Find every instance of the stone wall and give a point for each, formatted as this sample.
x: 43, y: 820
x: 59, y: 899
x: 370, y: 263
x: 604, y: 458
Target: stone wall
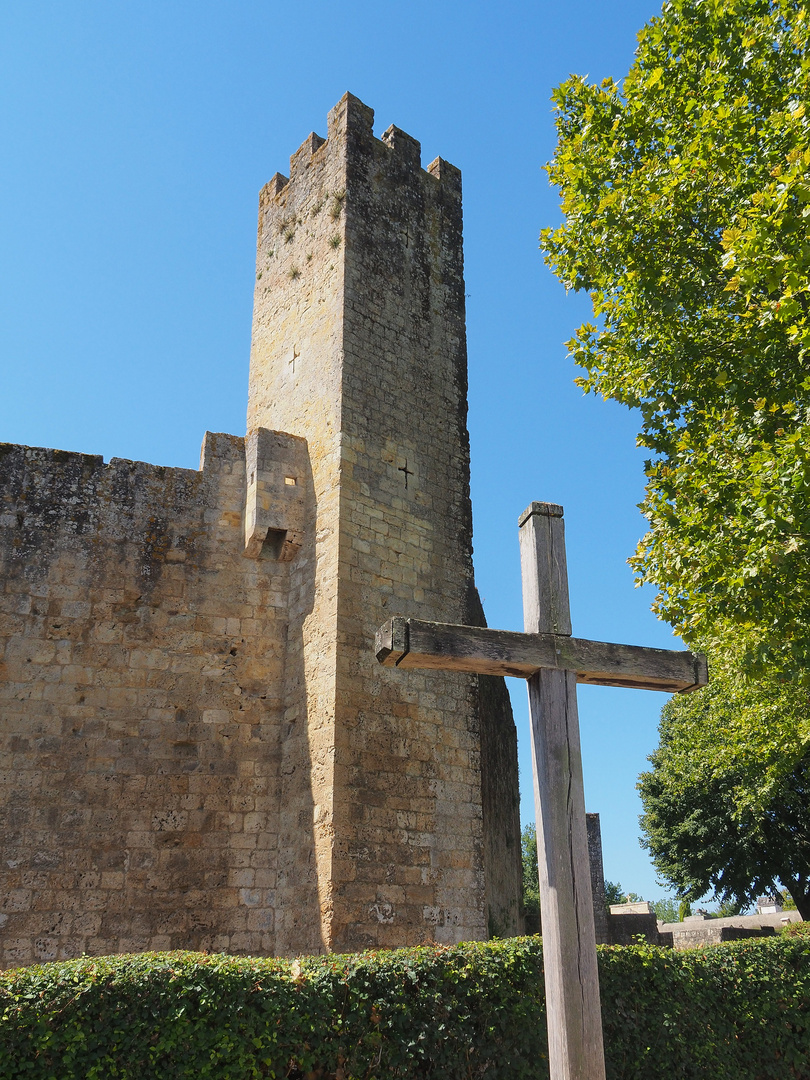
x: 140, y: 710
x: 698, y: 930
x: 600, y: 912
x: 628, y: 923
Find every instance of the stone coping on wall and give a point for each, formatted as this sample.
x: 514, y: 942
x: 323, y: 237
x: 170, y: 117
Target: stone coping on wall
x: 743, y: 922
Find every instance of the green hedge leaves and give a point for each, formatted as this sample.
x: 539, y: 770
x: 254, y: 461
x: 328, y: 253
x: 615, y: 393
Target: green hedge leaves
x: 730, y: 1012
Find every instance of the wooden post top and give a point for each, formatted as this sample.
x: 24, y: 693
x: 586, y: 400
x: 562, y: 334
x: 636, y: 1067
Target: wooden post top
x: 543, y: 508
x: 544, y: 571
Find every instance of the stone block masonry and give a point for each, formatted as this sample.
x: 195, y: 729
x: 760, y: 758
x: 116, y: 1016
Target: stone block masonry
x: 140, y: 707
x: 198, y: 747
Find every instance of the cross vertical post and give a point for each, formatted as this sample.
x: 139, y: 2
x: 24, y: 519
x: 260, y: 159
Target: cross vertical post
x: 569, y: 940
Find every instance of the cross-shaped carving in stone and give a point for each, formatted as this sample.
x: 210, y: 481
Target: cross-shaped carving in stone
x: 405, y: 471
x: 553, y: 662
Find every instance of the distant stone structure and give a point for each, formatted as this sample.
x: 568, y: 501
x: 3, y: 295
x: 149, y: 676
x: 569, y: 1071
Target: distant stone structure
x: 600, y: 912
x: 698, y: 930
x: 631, y: 921
x: 199, y: 749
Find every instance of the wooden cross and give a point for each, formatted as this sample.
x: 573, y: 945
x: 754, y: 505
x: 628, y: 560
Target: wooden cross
x: 553, y: 662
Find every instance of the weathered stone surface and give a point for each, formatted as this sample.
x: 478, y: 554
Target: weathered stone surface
x: 600, y: 912
x: 696, y: 931
x: 140, y: 706
x: 198, y: 747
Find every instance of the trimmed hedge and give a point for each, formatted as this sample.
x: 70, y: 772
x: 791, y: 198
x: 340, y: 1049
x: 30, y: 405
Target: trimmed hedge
x: 739, y: 1011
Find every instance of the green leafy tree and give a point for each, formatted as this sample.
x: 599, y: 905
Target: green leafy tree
x: 615, y: 894
x: 666, y: 909
x: 727, y: 800
x: 729, y: 908
x: 531, y: 883
x: 686, y: 201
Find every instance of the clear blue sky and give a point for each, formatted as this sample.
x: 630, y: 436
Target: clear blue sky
x: 136, y: 135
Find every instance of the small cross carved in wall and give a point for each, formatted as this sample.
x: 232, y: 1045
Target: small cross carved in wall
x: 405, y: 471
x: 293, y: 357
x: 408, y: 237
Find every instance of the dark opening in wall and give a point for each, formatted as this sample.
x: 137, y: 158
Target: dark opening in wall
x: 273, y: 545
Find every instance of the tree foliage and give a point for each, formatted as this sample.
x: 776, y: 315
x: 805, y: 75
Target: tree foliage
x: 531, y: 879
x: 686, y: 200
x: 727, y: 801
x: 666, y: 909
x: 615, y: 894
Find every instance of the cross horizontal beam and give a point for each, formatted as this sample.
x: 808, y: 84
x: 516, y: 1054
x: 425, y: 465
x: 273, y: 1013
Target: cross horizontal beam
x: 410, y: 643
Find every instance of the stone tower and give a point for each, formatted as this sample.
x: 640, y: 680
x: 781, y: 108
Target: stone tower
x: 359, y: 346
x: 200, y: 749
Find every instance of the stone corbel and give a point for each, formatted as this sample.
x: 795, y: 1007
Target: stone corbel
x: 275, y: 464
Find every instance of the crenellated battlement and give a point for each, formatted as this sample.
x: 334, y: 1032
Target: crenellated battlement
x: 301, y: 159
x: 404, y: 146
x: 349, y: 200
x: 350, y: 133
